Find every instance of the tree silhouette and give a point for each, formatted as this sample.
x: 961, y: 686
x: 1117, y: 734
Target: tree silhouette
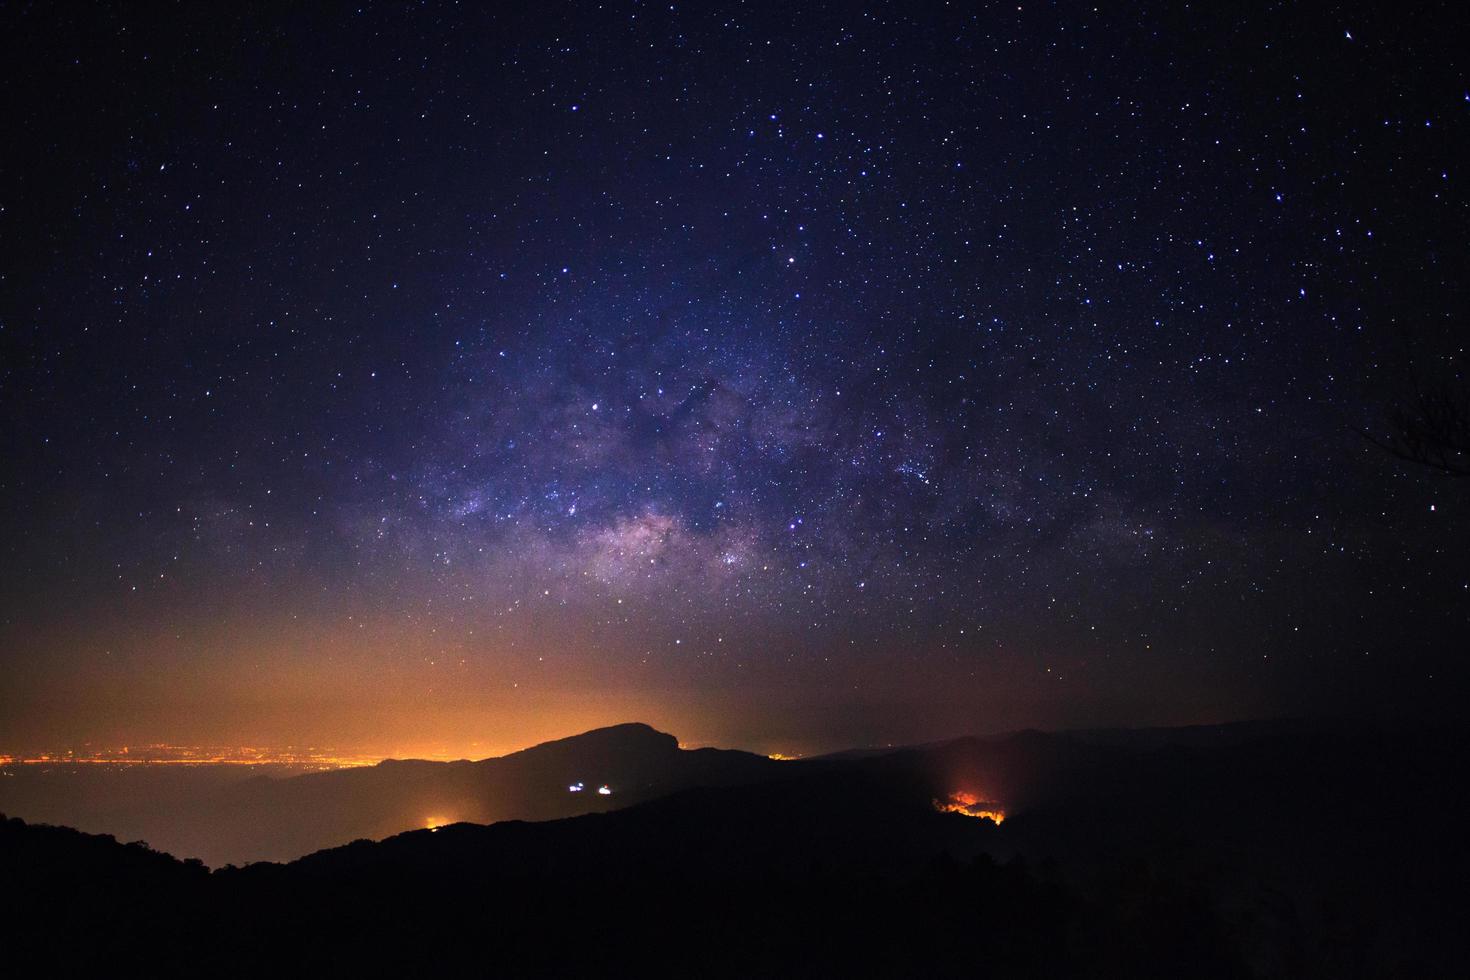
x: 1432, y: 426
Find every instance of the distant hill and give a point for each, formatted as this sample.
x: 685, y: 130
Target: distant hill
x: 264, y: 818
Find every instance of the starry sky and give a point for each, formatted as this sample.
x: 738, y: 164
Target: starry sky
x: 435, y: 378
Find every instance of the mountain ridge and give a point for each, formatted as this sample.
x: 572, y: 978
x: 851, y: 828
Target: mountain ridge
x: 1247, y: 858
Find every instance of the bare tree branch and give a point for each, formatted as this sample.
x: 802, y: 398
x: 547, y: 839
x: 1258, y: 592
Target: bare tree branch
x: 1433, y: 427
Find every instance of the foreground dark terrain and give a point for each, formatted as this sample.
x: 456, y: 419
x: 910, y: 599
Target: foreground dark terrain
x: 1240, y: 851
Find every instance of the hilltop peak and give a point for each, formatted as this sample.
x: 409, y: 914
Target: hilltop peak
x: 633, y: 736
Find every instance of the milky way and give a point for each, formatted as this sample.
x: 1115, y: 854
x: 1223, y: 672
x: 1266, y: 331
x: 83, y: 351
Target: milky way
x: 1007, y: 358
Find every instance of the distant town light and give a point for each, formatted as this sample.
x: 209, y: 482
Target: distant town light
x: 604, y: 791
x: 574, y: 788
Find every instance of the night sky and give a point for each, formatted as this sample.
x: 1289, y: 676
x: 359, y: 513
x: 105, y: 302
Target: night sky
x: 434, y: 379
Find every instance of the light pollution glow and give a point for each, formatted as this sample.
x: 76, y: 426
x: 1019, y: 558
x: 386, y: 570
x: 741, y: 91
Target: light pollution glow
x: 363, y: 704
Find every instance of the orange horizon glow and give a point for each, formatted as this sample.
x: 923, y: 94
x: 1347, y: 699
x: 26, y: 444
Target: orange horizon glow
x: 383, y: 691
x: 313, y: 758
x: 189, y: 755
x: 475, y: 743
x: 354, y: 724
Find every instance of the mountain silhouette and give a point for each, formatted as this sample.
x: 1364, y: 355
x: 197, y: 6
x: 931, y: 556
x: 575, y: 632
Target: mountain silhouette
x: 1282, y: 850
x: 272, y: 818
x: 284, y: 818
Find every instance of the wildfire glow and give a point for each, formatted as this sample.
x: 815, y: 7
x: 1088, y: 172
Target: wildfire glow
x: 434, y: 823
x: 971, y: 805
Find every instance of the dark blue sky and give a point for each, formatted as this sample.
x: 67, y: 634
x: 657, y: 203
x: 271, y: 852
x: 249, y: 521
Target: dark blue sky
x: 419, y: 376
